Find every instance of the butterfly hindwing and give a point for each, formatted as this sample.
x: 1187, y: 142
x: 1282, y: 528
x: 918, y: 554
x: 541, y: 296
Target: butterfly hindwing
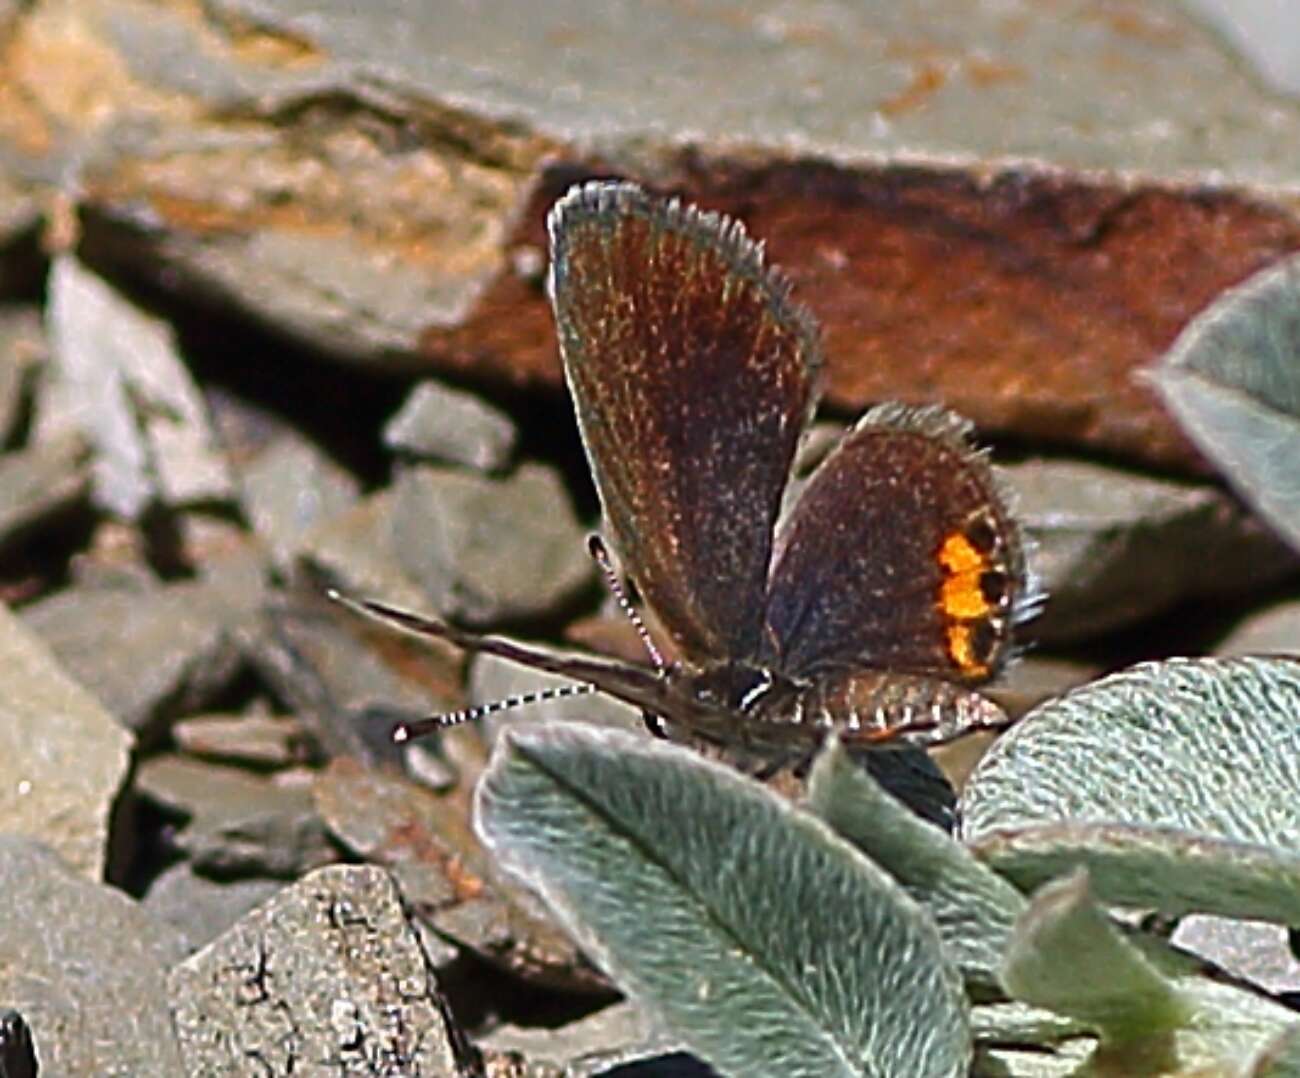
x: 899, y: 554
x: 692, y: 375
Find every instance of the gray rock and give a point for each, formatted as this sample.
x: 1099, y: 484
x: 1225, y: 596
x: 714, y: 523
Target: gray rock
x: 199, y: 908
x: 427, y: 842
x: 1263, y: 32
x: 117, y: 378
x: 394, y: 822
x: 315, y: 657
x: 1272, y: 631
x: 328, y: 977
x: 250, y: 740
x: 638, y: 84
x: 63, y: 758
x: 488, y: 551
x: 416, y: 228
x: 290, y: 488
x: 237, y: 823
x: 354, y: 550
x: 1259, y: 952
x: 116, y: 559
x: 216, y: 548
x: 87, y: 968
x: 149, y: 654
x: 40, y: 483
x: 1113, y: 547
x: 609, y: 1038
x: 346, y: 686
x: 1031, y: 679
x: 449, y: 425
x: 23, y: 351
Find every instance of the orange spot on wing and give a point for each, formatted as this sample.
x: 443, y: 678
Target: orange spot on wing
x: 961, y: 596
x: 962, y: 601
x: 958, y: 555
x: 959, y: 647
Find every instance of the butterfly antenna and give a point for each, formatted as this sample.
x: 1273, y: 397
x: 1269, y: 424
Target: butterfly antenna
x: 407, y: 731
x: 503, y: 648
x: 600, y: 555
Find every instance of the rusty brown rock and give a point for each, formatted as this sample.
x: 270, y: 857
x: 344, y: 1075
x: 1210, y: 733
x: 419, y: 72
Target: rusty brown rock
x: 426, y: 841
x: 1029, y: 301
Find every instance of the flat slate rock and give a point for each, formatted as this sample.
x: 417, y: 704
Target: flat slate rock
x: 253, y: 741
x: 23, y: 350
x: 87, y: 967
x: 452, y: 426
x: 1259, y: 952
x: 238, y: 823
x: 348, y: 679
x: 200, y: 908
x: 613, y: 1036
x: 1112, y: 547
x: 1274, y: 630
x: 41, y: 482
x: 328, y: 977
x: 63, y: 757
x: 488, y: 551
x: 1004, y: 208
x: 148, y: 654
x: 446, y: 877
x: 353, y: 549
x: 118, y: 378
x: 288, y: 489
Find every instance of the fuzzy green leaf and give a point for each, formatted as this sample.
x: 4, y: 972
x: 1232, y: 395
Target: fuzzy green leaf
x: 760, y: 939
x: 972, y: 905
x: 1174, y: 872
x: 1232, y: 379
x: 1177, y: 783
x: 1280, y: 1058
x: 1068, y: 957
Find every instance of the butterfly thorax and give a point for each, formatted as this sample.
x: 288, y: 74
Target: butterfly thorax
x: 735, y: 691
x: 733, y: 699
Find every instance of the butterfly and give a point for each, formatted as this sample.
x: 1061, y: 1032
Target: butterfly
x: 874, y: 606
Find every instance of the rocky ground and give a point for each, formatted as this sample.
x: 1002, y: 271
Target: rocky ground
x: 271, y: 318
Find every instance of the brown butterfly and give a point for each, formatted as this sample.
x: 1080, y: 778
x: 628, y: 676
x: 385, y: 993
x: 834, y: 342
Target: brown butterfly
x: 887, y: 593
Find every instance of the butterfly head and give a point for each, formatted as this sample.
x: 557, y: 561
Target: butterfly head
x: 725, y: 699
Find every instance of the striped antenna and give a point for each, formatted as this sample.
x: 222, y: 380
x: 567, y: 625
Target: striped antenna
x: 634, y: 685
x: 406, y: 731
x: 600, y: 554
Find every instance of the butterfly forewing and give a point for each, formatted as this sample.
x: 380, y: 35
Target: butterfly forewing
x: 692, y: 375
x: 898, y: 555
